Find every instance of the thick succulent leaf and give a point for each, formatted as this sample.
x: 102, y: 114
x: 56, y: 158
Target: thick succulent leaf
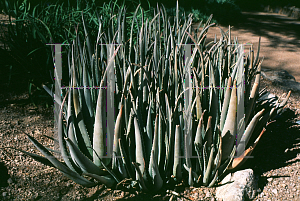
x: 238, y: 161
x: 198, y: 137
x: 139, y: 176
x: 208, y: 133
x: 225, y: 103
x: 242, y: 144
x: 253, y: 95
x: 116, y: 148
x: 86, y: 165
x: 177, y: 155
x: 62, y: 144
x: 224, y: 166
x: 100, y: 122
x: 149, y: 129
x: 106, y: 180
x: 207, y: 174
x: 191, y: 179
x: 36, y: 157
x: 230, y: 127
x: 64, y: 169
x: 157, y: 180
x: 257, y: 55
x: 79, y: 117
x: 154, y: 150
x: 213, y: 181
x: 125, y: 159
x: 283, y: 103
x: 139, y: 154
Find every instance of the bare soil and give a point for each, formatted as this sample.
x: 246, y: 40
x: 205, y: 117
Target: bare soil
x: 280, y: 39
x: 276, y: 158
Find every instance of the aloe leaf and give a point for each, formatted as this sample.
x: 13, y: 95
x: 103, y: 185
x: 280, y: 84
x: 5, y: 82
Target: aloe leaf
x: 87, y: 110
x: 86, y: 165
x: 282, y: 104
x: 207, y: 174
x: 106, y: 180
x: 125, y: 159
x: 69, y: 173
x: 154, y: 150
x: 154, y: 171
x: 230, y: 126
x: 236, y: 67
x: 149, y: 129
x: 205, y: 158
x: 257, y: 55
x: 238, y: 161
x: 169, y: 136
x: 225, y: 103
x: 177, y: 155
x: 262, y: 121
x: 139, y: 149
x: 224, y: 166
x: 198, y: 103
x: 100, y: 127
x: 213, y: 181
x: 191, y: 179
x: 70, y: 122
x: 50, y: 92
x: 160, y: 139
x: 139, y: 176
x: 79, y: 117
x: 254, y: 92
x: 208, y: 133
x: 198, y: 137
x: 200, y: 159
x: 36, y: 157
x: 62, y: 143
x: 100, y: 121
x: 116, y: 148
x: 248, y: 132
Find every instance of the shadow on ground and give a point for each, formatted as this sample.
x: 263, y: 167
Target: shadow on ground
x: 273, y: 27
x: 278, y: 147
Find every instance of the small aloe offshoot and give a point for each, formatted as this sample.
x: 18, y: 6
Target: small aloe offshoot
x: 158, y: 136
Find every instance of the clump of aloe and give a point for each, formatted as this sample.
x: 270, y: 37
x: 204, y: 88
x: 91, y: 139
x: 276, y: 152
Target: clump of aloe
x: 150, y: 109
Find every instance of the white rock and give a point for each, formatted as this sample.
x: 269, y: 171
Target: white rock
x: 237, y: 186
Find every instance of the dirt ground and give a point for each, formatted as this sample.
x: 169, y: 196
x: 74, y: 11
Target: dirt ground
x: 276, y: 158
x: 280, y: 39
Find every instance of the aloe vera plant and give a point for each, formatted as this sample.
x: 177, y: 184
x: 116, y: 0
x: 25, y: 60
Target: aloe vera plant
x: 158, y: 135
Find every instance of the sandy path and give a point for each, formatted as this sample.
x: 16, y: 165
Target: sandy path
x: 280, y: 39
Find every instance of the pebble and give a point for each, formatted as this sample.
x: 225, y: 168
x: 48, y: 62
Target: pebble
x: 270, y: 179
x: 274, y: 191
x: 283, y: 185
x: 10, y: 181
x: 4, y: 194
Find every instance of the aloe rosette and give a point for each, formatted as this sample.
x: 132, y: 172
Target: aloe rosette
x: 158, y: 135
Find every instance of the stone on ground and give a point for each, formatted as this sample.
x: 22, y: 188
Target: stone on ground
x: 237, y: 186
